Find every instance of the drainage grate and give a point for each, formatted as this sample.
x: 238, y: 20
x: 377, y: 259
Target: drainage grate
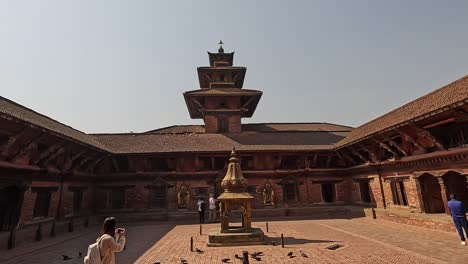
x: 334, y: 247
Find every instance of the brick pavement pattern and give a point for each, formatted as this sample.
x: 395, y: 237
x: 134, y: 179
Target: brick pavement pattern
x: 365, y: 241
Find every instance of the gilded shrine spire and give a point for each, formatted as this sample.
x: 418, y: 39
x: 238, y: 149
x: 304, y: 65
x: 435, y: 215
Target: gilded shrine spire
x: 234, y: 181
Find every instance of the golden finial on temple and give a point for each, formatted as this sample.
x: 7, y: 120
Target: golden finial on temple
x: 221, y: 50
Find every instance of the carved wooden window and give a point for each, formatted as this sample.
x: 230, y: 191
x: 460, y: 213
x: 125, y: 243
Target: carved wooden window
x: 122, y: 162
x: 290, y: 162
x: 328, y: 192
x: 220, y: 162
x: 223, y: 125
x: 204, y: 163
x: 41, y: 208
x: 200, y: 191
x: 4, y: 139
x: 252, y: 189
x: 77, y: 201
x: 289, y: 192
x: 158, y: 164
x: 247, y: 162
x: 364, y: 189
x: 117, y: 198
x: 398, y: 192
x: 158, y: 196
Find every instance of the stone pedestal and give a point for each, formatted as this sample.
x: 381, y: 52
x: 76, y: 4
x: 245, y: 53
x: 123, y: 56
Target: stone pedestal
x: 236, y: 237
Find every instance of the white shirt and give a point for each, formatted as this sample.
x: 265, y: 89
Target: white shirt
x: 199, y: 205
x: 212, y: 203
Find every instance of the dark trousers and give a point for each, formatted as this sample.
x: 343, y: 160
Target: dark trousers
x: 201, y: 214
x: 460, y: 224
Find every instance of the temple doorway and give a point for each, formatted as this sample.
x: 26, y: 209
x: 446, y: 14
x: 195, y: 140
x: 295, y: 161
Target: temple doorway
x: 328, y: 192
x: 8, y: 207
x: 365, y: 191
x: 158, y: 196
x: 456, y: 184
x: 432, y: 197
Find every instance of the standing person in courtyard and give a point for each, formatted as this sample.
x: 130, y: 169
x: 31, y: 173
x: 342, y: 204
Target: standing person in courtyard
x: 212, y: 207
x: 201, y: 209
x: 112, y: 240
x: 457, y: 210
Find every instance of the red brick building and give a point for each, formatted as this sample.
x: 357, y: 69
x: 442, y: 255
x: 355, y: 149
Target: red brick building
x: 54, y: 178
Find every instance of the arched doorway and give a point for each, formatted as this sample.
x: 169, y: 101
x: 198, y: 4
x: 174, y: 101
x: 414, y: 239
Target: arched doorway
x: 8, y: 207
x: 432, y: 197
x: 456, y: 184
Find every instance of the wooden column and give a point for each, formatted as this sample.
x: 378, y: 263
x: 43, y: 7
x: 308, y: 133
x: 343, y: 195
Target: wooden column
x: 419, y: 191
x: 382, y: 193
x: 443, y: 193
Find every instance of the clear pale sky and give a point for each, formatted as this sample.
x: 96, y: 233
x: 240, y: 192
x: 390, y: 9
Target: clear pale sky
x: 120, y: 66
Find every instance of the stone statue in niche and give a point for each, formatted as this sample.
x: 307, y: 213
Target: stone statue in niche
x: 183, y: 197
x: 268, y: 195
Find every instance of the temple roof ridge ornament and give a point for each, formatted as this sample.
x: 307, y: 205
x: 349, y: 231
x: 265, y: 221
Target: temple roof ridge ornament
x: 220, y: 50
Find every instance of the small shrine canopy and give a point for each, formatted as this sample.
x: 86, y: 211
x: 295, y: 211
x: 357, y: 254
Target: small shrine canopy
x: 234, y: 183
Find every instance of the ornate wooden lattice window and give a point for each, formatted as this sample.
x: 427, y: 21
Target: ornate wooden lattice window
x: 204, y: 163
x: 289, y: 192
x: 223, y: 125
x: 158, y: 164
x: 77, y: 201
x: 200, y: 191
x: 41, y: 207
x: 290, y: 162
x: 122, y: 162
x: 247, y: 162
x: 398, y: 192
x: 252, y: 189
x: 117, y: 198
x: 220, y: 162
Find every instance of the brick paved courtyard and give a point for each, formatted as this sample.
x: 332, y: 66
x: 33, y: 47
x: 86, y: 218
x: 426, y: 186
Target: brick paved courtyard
x: 364, y: 240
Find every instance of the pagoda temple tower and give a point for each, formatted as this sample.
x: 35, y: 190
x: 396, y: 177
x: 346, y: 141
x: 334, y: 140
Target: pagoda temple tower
x: 221, y: 100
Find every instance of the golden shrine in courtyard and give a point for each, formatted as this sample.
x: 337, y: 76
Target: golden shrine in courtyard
x: 235, y: 197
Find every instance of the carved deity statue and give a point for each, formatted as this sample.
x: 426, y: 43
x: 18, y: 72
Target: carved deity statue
x: 183, y: 197
x: 268, y: 195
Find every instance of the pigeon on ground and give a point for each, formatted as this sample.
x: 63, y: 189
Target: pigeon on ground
x: 258, y: 253
x: 257, y: 258
x: 304, y: 255
x: 238, y: 257
x: 290, y: 254
x: 157, y: 262
x: 225, y: 260
x: 183, y: 261
x: 65, y: 257
x: 273, y: 243
x: 198, y: 250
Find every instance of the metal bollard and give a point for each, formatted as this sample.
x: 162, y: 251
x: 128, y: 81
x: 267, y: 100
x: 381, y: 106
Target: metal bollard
x: 245, y: 259
x: 200, y: 229
x: 191, y: 244
x: 282, y: 241
x: 267, y: 226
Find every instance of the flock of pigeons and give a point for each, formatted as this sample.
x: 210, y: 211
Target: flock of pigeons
x: 257, y: 255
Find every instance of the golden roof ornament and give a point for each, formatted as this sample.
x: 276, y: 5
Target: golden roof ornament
x: 234, y: 181
x: 220, y: 50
